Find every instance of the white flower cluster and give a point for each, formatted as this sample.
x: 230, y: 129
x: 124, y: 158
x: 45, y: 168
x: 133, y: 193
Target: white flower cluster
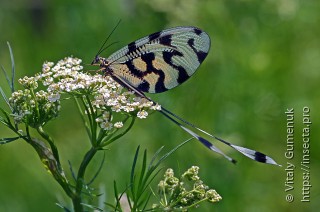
x: 29, y: 82
x: 184, y: 191
x: 104, y: 93
x: 33, y: 108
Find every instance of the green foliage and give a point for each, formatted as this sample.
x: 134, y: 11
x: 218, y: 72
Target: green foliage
x: 185, y: 192
x: 173, y: 194
x: 263, y: 59
x: 99, y: 99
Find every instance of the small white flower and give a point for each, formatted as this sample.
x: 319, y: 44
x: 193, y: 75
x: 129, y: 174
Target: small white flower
x: 112, y: 102
x: 99, y: 120
x: 127, y: 109
x: 118, y: 124
x: 28, y: 82
x: 155, y: 107
x: 142, y: 114
x: 46, y: 67
x: 147, y: 104
x: 66, y: 76
x: 54, y: 97
x: 106, y: 125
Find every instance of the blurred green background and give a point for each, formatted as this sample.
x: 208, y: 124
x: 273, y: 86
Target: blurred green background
x: 264, y: 58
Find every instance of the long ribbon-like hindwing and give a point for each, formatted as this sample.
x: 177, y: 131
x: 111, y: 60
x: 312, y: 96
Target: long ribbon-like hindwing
x: 162, y: 61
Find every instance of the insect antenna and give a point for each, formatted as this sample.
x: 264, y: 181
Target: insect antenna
x: 105, y: 41
x: 108, y: 46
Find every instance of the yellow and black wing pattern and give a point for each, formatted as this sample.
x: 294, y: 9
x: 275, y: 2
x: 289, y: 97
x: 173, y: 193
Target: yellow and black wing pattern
x: 160, y: 61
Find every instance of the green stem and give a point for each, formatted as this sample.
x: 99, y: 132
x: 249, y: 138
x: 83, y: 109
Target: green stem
x: 109, y: 141
x: 94, y: 123
x: 91, y: 117
x: 196, y: 203
x: 36, y: 105
x: 49, y: 161
x: 76, y: 200
x: 87, y: 111
x: 51, y: 143
x: 83, y: 117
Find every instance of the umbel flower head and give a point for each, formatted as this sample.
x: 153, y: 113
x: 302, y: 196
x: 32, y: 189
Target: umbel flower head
x: 188, y: 190
x: 33, y: 107
x: 101, y: 94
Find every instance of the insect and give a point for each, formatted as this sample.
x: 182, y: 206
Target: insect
x: 162, y: 61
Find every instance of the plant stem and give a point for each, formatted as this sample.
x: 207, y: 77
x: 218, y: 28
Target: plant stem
x: 51, y: 143
x: 49, y: 161
x: 119, y: 135
x: 76, y: 200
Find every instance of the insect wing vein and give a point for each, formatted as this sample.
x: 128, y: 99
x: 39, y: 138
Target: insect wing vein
x: 162, y: 60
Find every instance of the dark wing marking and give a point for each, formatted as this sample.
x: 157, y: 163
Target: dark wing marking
x: 252, y: 154
x: 162, y: 60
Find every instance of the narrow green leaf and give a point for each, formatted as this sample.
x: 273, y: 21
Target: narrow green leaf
x: 117, y: 197
x: 71, y: 170
x: 5, y: 98
x: 13, y: 68
x: 8, y: 140
x: 4, y: 121
x: 120, y: 134
x: 115, y: 189
x: 4, y: 112
x: 155, y: 156
x: 146, y: 202
x: 142, y: 172
x: 127, y: 196
x: 147, y: 174
x: 140, y: 186
x: 110, y: 205
x: 7, y: 122
x: 133, y: 171
x: 134, y: 164
x: 148, y: 181
x: 129, y: 201
x: 172, y: 151
x: 99, y: 169
x: 92, y: 117
x: 92, y: 207
x: 101, y: 135
x: 83, y: 117
x: 63, y: 207
x: 6, y: 75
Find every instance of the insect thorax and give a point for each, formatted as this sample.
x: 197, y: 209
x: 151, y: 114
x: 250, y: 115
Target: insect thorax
x: 103, y: 63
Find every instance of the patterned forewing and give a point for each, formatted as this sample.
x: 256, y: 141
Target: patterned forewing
x: 162, y: 60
